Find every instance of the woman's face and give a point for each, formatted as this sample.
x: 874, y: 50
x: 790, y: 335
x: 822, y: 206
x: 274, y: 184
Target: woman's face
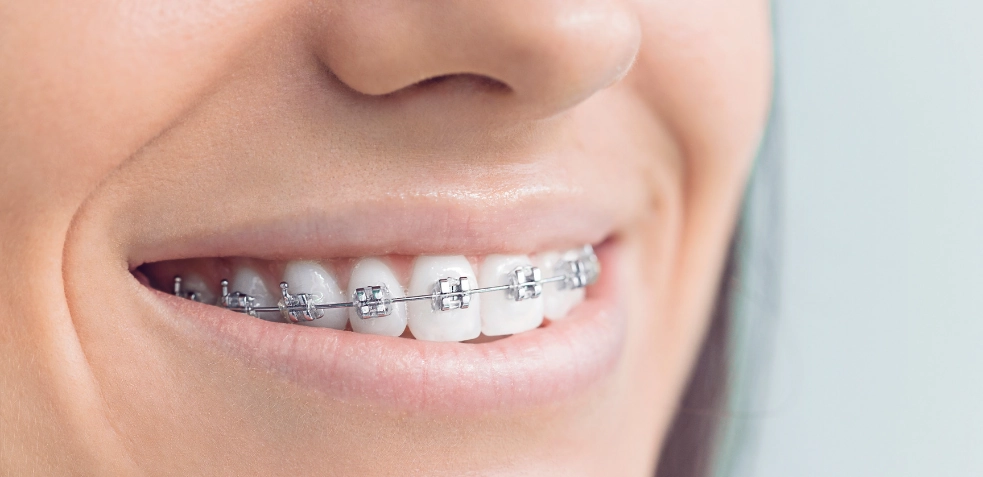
x: 233, y: 138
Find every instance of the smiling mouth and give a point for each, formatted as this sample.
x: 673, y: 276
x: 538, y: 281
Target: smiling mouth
x: 445, y: 300
x: 416, y: 347
x: 530, y: 352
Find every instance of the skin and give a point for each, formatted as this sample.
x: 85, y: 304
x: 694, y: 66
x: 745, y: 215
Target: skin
x: 110, y: 111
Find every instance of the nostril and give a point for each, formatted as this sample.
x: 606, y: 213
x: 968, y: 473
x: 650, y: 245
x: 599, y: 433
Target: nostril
x: 460, y: 83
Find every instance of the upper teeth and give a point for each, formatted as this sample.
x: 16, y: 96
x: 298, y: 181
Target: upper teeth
x: 503, y: 313
x: 311, y: 279
x: 249, y: 282
x: 381, y: 316
x: 444, y: 300
x: 452, y: 313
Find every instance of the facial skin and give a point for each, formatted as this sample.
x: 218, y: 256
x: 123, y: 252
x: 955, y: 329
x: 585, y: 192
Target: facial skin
x: 131, y: 130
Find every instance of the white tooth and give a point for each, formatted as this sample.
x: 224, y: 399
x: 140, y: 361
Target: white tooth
x: 557, y: 302
x: 372, y: 272
x: 249, y: 281
x: 193, y: 282
x: 312, y: 278
x: 500, y: 314
x: 453, y: 325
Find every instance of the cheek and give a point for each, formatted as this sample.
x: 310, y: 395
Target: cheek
x: 704, y: 69
x: 705, y: 66
x: 99, y: 79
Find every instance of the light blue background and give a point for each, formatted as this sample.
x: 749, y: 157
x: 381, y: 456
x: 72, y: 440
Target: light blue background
x: 876, y: 366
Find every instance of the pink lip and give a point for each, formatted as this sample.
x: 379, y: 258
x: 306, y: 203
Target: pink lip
x: 549, y: 364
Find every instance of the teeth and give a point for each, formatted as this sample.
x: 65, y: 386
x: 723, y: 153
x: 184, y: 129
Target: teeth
x: 193, y: 282
x: 372, y: 272
x: 312, y: 278
x: 453, y: 325
x: 249, y: 281
x: 558, y: 302
x: 438, y: 307
x: 500, y: 314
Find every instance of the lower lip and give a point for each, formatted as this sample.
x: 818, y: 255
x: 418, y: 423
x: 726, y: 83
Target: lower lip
x: 550, y: 364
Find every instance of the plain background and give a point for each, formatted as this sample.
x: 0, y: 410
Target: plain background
x: 875, y: 366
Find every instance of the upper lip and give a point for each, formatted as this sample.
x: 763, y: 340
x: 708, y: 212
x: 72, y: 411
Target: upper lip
x: 547, y: 219
x: 239, y: 197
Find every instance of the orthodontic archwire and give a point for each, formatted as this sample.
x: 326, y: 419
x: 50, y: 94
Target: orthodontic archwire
x: 450, y: 293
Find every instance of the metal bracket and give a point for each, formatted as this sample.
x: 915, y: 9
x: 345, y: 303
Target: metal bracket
x: 452, y: 294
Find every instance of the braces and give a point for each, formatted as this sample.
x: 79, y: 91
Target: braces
x: 449, y: 293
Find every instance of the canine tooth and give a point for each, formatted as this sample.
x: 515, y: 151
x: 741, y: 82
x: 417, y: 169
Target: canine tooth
x: 249, y: 281
x: 500, y: 314
x: 557, y: 302
x: 311, y: 277
x: 373, y: 272
x: 452, y: 325
x: 193, y: 282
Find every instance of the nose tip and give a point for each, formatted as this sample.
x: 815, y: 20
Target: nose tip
x: 564, y: 58
x: 550, y: 55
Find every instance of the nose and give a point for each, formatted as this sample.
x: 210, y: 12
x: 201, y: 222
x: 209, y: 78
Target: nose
x: 547, y: 55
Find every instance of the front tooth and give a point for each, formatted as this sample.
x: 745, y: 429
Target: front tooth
x: 372, y: 272
x: 249, y: 281
x: 500, y: 314
x: 452, y: 325
x: 312, y: 278
x: 192, y: 282
x: 557, y: 302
